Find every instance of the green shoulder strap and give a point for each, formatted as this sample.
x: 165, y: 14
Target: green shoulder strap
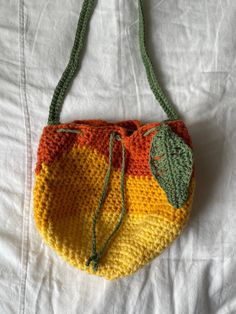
x: 74, y: 62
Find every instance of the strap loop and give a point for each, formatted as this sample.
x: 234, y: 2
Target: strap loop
x: 74, y: 62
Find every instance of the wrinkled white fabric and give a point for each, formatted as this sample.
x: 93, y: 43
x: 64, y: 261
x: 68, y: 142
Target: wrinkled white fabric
x: 193, y: 48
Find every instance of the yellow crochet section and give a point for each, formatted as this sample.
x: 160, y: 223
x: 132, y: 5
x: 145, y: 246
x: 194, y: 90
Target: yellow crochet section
x: 66, y: 195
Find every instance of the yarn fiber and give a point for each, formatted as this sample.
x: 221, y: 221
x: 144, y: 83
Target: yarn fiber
x: 70, y: 172
x: 110, y: 197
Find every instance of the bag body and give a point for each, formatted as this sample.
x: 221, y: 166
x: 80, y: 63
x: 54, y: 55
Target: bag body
x: 110, y: 197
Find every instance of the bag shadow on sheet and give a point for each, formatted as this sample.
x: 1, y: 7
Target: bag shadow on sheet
x: 207, y: 140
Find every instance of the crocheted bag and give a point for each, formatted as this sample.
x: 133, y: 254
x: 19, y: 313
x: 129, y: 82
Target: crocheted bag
x: 110, y: 197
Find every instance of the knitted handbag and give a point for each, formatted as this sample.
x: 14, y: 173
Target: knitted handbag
x: 110, y: 197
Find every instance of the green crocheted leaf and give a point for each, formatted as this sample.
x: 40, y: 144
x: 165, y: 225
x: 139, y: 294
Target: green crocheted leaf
x: 171, y: 163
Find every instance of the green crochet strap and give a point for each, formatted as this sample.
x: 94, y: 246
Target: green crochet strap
x: 154, y: 85
x: 96, y: 256
x: 74, y: 62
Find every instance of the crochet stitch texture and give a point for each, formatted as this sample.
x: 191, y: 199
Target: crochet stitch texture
x: 69, y: 177
x: 109, y: 197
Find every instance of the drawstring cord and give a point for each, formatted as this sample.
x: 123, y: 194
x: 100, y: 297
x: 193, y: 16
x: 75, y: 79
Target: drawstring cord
x: 96, y: 256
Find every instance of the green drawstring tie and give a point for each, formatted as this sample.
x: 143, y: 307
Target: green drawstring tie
x: 96, y: 256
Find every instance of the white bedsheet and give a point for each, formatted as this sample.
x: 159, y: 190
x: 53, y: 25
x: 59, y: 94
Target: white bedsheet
x: 193, y: 48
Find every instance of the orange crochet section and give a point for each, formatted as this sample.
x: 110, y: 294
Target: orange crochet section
x: 95, y: 134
